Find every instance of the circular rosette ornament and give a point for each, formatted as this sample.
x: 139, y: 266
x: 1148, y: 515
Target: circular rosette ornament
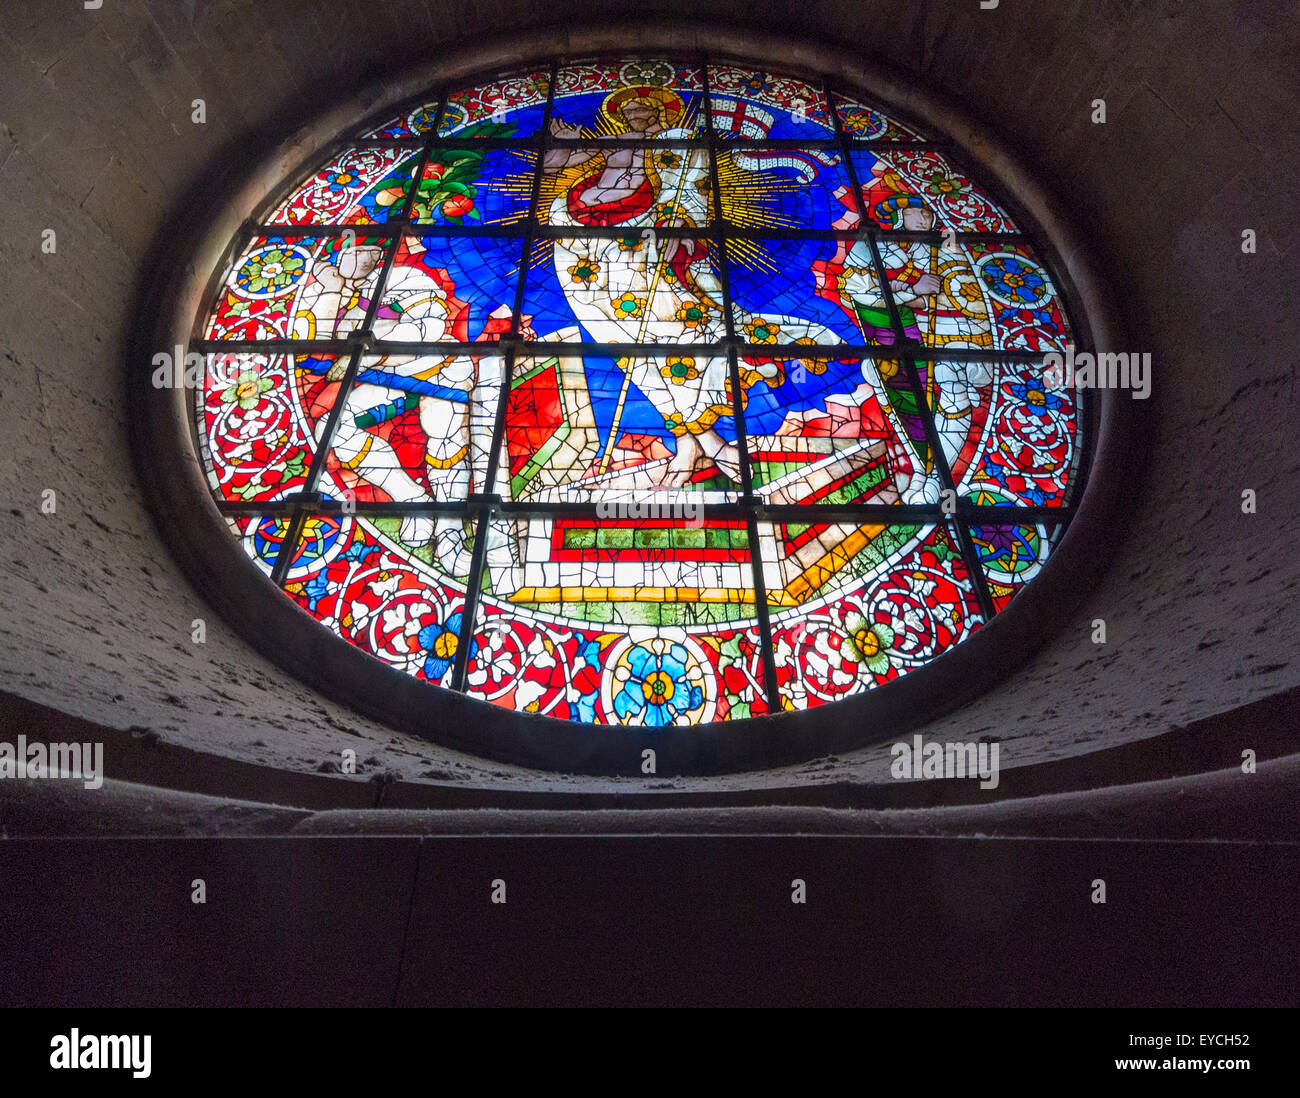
x: 271, y: 271
x: 658, y: 681
x: 815, y: 661
x: 457, y: 118
x: 322, y: 538
x: 863, y: 123
x: 871, y: 642
x: 1011, y: 555
x: 422, y: 119
x: 650, y: 72
x: 524, y: 667
x: 912, y: 617
x: 1013, y: 280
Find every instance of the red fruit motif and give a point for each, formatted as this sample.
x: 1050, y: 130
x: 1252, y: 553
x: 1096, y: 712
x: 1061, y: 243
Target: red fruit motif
x: 457, y: 206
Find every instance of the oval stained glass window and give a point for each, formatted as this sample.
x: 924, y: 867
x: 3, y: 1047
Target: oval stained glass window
x: 639, y: 391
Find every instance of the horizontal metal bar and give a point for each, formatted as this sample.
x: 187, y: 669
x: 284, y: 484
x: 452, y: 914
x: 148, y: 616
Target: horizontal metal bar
x: 899, y: 514
x: 320, y: 347
x: 543, y: 348
x: 517, y: 230
x: 604, y: 142
x: 964, y: 511
x: 532, y: 142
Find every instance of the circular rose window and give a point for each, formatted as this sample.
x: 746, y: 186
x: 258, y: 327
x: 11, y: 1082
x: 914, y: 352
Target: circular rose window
x: 641, y: 390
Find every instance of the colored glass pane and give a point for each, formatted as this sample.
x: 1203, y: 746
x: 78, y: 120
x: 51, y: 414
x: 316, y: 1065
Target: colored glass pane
x: 759, y: 394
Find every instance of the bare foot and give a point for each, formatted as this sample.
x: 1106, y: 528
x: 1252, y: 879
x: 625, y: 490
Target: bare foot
x: 724, y: 455
x: 699, y: 453
x: 679, y: 472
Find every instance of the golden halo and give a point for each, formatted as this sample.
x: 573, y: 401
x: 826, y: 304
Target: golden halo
x: 669, y: 103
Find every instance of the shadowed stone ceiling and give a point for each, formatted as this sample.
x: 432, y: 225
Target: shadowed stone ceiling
x: 1201, y: 142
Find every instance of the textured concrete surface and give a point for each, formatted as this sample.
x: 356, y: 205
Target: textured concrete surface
x: 1226, y: 805
x: 1201, y: 142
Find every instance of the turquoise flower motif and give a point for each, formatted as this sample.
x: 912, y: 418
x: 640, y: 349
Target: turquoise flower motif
x: 657, y: 689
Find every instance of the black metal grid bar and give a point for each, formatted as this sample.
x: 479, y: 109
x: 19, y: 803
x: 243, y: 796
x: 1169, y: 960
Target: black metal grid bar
x: 903, y: 514
x: 310, y: 492
x: 937, y: 458
x: 483, y: 525
x: 288, y: 546
x: 542, y: 348
x: 761, y: 612
x: 529, y: 229
x: 516, y: 229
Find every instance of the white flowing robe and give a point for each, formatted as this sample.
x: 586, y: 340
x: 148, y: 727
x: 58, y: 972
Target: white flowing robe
x: 630, y: 290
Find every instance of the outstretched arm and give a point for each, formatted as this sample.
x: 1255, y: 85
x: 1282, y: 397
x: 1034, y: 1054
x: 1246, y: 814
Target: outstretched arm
x: 558, y: 159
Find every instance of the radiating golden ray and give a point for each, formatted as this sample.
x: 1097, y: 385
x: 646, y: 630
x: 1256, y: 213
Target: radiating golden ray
x: 762, y: 221
x: 554, y: 185
x: 692, y: 112
x: 754, y: 253
x: 745, y: 194
x: 542, y: 256
x: 518, y: 184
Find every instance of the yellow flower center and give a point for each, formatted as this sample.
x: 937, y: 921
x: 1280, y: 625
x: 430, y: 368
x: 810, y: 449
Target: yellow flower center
x: 657, y: 688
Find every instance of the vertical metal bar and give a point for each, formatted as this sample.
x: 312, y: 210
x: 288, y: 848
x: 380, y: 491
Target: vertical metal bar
x: 309, y: 488
x: 288, y: 546
x: 331, y: 422
x: 465, y: 638
x: 908, y: 364
x: 761, y: 612
x: 531, y: 226
x: 417, y: 174
x: 937, y: 458
x: 326, y: 441
x: 845, y: 149
x: 483, y: 522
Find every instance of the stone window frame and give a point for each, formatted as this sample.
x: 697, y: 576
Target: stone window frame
x: 197, y: 246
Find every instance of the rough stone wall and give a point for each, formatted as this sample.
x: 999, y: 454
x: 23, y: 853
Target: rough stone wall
x: 1201, y: 142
